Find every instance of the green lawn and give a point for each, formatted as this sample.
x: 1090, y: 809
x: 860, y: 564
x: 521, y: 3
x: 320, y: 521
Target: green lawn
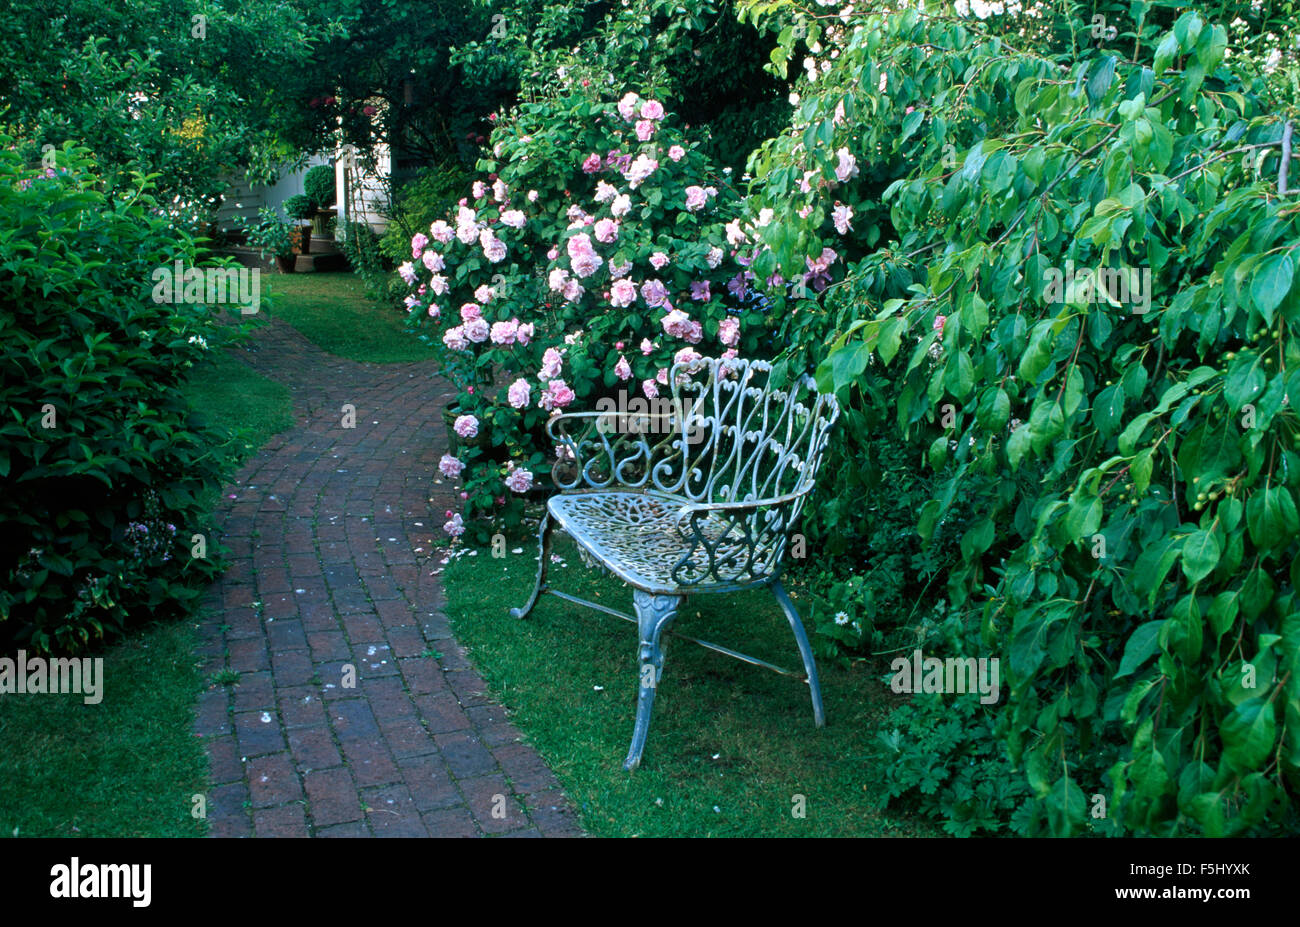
x: 245, y: 406
x: 731, y: 746
x: 128, y: 766
x: 333, y: 312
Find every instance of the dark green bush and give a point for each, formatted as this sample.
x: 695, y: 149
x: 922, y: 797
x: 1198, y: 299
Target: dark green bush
x: 318, y: 184
x: 298, y: 206
x: 102, y: 470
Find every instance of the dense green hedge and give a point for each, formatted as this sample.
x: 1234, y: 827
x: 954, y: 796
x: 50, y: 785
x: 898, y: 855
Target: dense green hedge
x: 1114, y: 476
x: 101, y: 468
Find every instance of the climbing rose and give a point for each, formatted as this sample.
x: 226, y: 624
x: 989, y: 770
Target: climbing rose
x: 677, y: 152
x: 627, y: 107
x: 622, y: 370
x: 518, y: 479
x: 644, y: 130
x: 513, y: 218
x: 476, y: 330
x: 454, y: 338
x: 519, y: 393
x: 525, y: 333
x: 450, y: 466
x: 433, y: 261
x: 686, y: 356
x: 485, y: 294
x: 847, y: 167
x: 605, y: 192
x: 619, y: 270
x: 606, y: 230
x: 573, y: 290
x: 466, y: 426
x: 729, y: 332
x: 695, y: 198
x: 505, y: 332
x: 650, y: 389
x: 841, y: 215
x: 714, y: 257
x: 591, y: 164
x: 640, y: 170
x: 418, y: 241
x: 441, y: 232
x: 652, y: 109
x: 469, y: 312
x: 407, y: 270
x: 658, y: 260
x: 646, y: 347
x: 551, y: 362
x: 622, y: 293
x: 455, y: 527
x: 499, y: 190
x: 479, y: 190
x: 621, y: 206
x: 557, y: 395
x: 434, y: 311
x: 494, y: 249
x: 654, y: 293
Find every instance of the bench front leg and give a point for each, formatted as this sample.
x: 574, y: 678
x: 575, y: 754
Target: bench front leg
x: 654, y: 613
x: 543, y: 561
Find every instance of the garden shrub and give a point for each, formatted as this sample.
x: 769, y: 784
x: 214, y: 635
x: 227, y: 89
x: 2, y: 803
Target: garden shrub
x: 596, y: 251
x: 102, y: 468
x: 1128, y: 468
x: 318, y: 186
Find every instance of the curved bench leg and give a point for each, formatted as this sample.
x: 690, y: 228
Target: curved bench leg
x: 805, y: 650
x: 654, y: 613
x: 543, y: 561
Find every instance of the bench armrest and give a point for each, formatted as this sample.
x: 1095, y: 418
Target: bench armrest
x: 738, y: 542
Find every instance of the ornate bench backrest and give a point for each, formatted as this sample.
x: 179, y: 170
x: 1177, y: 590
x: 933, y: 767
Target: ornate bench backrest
x: 726, y: 436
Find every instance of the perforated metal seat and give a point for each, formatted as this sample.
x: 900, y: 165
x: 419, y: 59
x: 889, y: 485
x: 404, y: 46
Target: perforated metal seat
x: 704, y: 506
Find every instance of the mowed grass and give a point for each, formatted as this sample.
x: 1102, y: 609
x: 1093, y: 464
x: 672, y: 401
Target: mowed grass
x: 128, y: 766
x: 732, y: 747
x: 333, y: 312
x: 244, y: 406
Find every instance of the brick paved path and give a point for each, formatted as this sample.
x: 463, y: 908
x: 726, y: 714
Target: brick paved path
x: 330, y: 532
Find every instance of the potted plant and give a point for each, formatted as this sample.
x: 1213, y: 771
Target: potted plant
x: 319, y: 186
x: 270, y: 236
x: 300, y: 207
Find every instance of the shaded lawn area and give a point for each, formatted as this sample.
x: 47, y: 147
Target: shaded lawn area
x: 333, y: 312
x: 731, y: 746
x: 128, y: 766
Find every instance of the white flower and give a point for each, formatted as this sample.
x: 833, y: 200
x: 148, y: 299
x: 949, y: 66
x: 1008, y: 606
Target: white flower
x: 841, y: 618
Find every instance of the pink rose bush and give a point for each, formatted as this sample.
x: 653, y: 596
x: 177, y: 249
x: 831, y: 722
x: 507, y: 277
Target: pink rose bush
x: 637, y: 242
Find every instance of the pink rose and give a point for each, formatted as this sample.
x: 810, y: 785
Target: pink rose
x: 627, y: 107
x: 650, y: 389
x: 646, y: 347
x: 441, y: 232
x: 729, y: 332
x: 518, y: 479
x: 519, y: 393
x: 551, y: 363
x: 455, y: 339
x: 477, y: 330
x: 418, y: 241
x: 644, y: 130
x: 623, y: 370
x: 450, y: 467
x: 676, y: 152
x: 591, y: 165
x: 407, y: 272
x: 557, y: 395
x: 466, y: 426
x: 525, y: 333
x: 469, y: 312
x: 652, y: 109
x: 455, y: 527
x: 659, y: 260
x: 606, y: 230
x: 433, y: 261
x: 695, y: 198
x: 622, y: 293
x: 504, y: 332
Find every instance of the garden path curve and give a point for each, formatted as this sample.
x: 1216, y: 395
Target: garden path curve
x: 329, y: 529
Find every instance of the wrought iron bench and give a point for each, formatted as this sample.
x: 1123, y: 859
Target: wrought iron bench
x: 701, y: 498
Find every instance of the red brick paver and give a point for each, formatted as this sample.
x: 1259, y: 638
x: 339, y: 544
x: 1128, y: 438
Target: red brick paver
x: 343, y: 722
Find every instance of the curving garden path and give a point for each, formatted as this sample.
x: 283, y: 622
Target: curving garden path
x: 329, y: 529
